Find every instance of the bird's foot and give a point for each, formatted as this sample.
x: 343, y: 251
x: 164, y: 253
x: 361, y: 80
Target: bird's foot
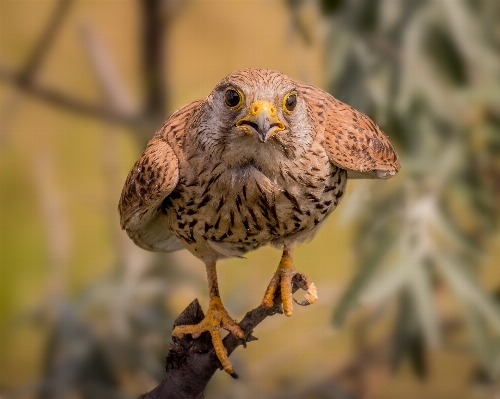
x: 215, y: 319
x: 283, y: 279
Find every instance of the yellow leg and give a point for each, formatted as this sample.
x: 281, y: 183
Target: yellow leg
x: 216, y: 318
x: 283, y: 279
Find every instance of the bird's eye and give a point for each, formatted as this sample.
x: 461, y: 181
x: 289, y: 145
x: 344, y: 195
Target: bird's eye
x: 233, y: 98
x: 289, y: 102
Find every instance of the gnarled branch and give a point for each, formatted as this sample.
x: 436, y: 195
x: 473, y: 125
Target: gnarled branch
x: 191, y: 363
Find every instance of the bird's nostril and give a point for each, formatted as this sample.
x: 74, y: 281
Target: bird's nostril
x: 255, y: 109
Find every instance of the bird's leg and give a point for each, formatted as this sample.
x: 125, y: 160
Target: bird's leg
x: 215, y: 319
x: 283, y: 279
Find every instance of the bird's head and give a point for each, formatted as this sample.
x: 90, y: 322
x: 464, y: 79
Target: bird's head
x: 253, y: 116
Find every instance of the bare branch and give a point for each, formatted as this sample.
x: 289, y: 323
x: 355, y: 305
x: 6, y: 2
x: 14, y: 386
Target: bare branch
x: 41, y: 49
x: 58, y: 232
x: 191, y: 363
x: 155, y: 83
x: 33, y: 64
x: 63, y: 100
x: 116, y: 94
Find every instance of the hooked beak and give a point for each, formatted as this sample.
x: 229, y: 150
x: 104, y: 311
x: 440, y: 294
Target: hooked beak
x: 261, y: 120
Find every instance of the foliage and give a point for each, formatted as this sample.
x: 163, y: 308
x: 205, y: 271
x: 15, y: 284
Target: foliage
x: 428, y: 73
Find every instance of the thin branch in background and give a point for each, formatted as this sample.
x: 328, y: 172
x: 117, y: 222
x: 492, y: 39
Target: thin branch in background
x: 57, y: 230
x: 34, y: 63
x: 156, y: 18
x: 153, y: 57
x: 115, y: 93
x: 67, y: 102
x: 35, y: 60
x: 171, y: 9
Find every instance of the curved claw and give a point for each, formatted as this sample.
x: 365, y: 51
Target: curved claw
x: 305, y: 302
x: 283, y: 279
x: 311, y: 295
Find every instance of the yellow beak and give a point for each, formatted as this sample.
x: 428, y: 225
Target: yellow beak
x: 262, y: 120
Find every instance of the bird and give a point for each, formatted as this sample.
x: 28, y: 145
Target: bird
x: 262, y: 160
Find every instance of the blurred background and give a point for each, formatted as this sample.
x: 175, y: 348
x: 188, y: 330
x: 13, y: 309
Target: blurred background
x: 407, y: 269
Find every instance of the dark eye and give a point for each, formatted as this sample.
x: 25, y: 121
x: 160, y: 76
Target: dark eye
x: 290, y: 102
x: 232, y: 98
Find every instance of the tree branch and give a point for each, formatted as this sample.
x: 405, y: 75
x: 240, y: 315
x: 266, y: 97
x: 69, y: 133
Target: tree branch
x: 191, y: 363
x: 114, y: 91
x: 153, y: 53
x: 62, y: 100
x: 33, y: 64
x: 42, y: 47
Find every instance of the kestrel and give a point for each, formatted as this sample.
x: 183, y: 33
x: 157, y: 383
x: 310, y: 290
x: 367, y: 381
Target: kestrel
x: 263, y: 160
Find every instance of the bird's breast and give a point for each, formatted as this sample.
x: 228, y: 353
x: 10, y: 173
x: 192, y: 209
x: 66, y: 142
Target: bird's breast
x: 236, y: 211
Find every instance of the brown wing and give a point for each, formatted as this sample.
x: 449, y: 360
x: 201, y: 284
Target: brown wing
x: 352, y: 140
x: 152, y: 178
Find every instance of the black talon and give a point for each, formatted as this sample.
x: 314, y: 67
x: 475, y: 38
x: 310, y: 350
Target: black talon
x: 234, y: 375
x: 305, y: 302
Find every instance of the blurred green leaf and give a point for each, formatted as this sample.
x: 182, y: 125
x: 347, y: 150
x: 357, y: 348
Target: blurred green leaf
x: 426, y: 73
x: 351, y: 297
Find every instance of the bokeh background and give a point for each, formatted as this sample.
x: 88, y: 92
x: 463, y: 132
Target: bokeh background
x: 407, y: 269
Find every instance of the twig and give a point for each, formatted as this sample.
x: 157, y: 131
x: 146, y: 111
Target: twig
x: 63, y: 100
x: 191, y: 363
x: 33, y: 65
x: 42, y: 47
x: 155, y: 83
x: 155, y: 22
x: 116, y: 94
x: 56, y: 223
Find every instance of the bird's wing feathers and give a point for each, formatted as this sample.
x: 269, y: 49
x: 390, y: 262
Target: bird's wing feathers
x: 352, y: 140
x: 153, y: 177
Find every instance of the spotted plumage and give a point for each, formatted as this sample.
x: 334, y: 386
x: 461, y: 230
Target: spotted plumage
x: 263, y: 160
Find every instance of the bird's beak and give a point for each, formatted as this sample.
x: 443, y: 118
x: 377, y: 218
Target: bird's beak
x: 262, y: 120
